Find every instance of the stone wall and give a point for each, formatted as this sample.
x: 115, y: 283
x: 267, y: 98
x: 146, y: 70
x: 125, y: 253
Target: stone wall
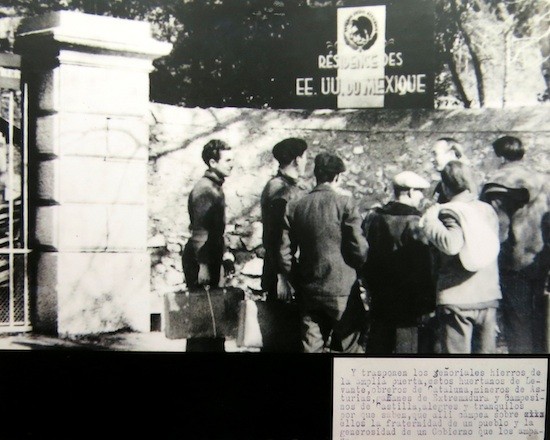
x: 375, y: 144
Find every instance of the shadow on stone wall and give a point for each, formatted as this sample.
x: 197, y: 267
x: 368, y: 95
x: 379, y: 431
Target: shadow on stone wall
x: 375, y: 145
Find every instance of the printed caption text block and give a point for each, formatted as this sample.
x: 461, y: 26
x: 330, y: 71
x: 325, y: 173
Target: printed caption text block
x: 439, y: 398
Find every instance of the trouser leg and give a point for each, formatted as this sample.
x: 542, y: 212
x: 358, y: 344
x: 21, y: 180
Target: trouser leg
x: 351, y: 343
x: 456, y: 331
x: 382, y: 337
x: 428, y: 337
x: 541, y: 309
x: 348, y: 321
x: 406, y: 340
x: 280, y: 326
x: 312, y: 334
x: 336, y: 322
x: 517, y: 308
x: 190, y: 267
x: 485, y: 331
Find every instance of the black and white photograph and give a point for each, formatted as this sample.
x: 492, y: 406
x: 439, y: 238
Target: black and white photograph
x: 246, y: 190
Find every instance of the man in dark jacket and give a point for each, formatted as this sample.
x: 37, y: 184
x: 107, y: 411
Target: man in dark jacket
x: 324, y: 227
x: 203, y: 253
x: 398, y: 269
x: 280, y: 326
x: 521, y: 198
x: 292, y: 156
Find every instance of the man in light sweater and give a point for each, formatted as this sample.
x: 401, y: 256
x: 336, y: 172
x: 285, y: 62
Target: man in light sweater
x: 465, y: 233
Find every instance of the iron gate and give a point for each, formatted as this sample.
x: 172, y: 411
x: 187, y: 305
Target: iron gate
x: 14, y: 285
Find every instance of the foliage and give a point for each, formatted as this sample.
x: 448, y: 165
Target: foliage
x: 495, y: 52
x: 221, y: 48
x: 489, y: 53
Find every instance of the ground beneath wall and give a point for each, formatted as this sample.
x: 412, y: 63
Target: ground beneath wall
x: 118, y: 341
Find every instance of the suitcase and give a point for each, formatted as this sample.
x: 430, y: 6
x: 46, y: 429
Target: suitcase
x: 192, y: 315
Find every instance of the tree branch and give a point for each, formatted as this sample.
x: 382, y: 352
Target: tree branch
x: 475, y: 59
x: 451, y: 64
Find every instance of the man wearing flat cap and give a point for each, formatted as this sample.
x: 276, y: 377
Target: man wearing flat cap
x: 291, y: 155
x: 398, y: 269
x: 322, y: 248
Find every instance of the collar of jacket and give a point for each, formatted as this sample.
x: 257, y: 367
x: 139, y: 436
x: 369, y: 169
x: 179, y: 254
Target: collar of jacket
x: 214, y: 176
x: 516, y: 175
x: 520, y: 195
x: 325, y: 186
x: 397, y: 208
x: 286, y: 178
x: 511, y: 165
x: 464, y: 196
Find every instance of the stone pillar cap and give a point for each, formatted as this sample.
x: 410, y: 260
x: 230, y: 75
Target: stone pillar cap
x: 99, y: 33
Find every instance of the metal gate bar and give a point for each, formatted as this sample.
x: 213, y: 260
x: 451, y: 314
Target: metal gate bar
x: 11, y: 156
x: 25, y: 197
x: 17, y: 256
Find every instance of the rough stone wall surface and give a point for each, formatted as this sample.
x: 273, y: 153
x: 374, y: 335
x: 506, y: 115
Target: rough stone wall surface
x: 375, y: 145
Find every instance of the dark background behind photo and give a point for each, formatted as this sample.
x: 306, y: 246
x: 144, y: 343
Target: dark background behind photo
x: 100, y: 394
x: 76, y: 394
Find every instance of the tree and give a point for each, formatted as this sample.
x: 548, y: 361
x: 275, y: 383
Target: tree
x: 493, y: 51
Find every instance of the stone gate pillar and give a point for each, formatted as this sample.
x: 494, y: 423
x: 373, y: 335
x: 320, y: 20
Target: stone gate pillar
x: 88, y: 82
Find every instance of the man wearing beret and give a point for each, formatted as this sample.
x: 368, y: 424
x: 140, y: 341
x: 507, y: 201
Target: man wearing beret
x: 398, y: 269
x: 291, y: 155
x: 203, y: 253
x: 323, y: 247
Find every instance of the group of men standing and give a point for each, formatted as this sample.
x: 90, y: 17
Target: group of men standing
x: 395, y: 279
